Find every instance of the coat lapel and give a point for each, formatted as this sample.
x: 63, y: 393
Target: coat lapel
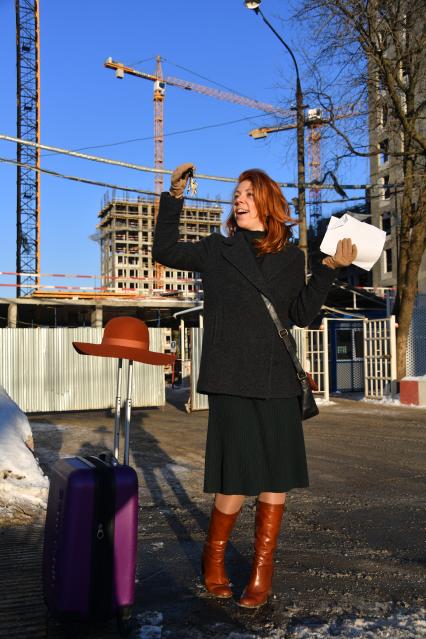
x: 236, y: 250
x: 276, y: 263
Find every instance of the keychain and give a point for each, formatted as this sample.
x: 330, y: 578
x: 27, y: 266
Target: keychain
x: 192, y: 184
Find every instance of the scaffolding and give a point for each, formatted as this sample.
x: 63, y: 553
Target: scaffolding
x: 126, y: 233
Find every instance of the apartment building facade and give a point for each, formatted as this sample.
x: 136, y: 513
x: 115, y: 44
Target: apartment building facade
x: 386, y: 171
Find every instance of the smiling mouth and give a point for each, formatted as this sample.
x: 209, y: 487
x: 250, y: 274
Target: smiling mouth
x: 241, y: 211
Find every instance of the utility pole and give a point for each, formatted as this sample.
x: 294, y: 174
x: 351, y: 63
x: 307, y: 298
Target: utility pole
x: 254, y: 5
x: 301, y: 196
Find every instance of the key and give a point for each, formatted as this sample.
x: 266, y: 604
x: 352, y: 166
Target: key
x: 193, y: 185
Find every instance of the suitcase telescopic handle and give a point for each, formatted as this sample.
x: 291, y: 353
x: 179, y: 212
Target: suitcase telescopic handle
x: 128, y: 412
x: 118, y: 410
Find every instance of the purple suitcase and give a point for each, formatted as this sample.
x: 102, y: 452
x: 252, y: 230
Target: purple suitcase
x: 90, y: 543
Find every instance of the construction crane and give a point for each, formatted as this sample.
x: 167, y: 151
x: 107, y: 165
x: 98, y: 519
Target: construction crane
x: 314, y: 122
x: 28, y: 128
x: 159, y: 94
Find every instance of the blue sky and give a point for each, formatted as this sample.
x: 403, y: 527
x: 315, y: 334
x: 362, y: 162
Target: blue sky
x: 84, y: 105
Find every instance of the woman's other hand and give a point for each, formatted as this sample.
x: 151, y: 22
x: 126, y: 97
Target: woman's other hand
x: 344, y: 256
x: 179, y: 179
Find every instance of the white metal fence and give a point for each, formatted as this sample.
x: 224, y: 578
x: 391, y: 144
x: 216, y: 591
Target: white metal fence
x: 312, y: 350
x: 197, y: 401
x: 379, y: 357
x: 42, y: 372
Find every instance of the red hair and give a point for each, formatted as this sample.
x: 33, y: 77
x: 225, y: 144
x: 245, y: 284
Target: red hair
x: 272, y: 208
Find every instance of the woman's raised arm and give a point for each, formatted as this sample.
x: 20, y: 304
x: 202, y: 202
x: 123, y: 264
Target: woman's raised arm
x: 166, y: 248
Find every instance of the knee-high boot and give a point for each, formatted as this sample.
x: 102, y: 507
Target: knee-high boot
x: 213, y: 559
x: 268, y: 523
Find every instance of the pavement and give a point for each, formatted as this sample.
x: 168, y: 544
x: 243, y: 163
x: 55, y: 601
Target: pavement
x: 351, y: 555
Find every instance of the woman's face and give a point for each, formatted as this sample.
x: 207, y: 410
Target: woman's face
x: 245, y: 210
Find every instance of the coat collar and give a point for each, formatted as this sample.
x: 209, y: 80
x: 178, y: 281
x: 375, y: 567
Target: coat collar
x: 237, y: 251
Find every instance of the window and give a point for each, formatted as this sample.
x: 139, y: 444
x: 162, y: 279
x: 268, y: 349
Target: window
x: 120, y: 259
x: 344, y: 343
x: 386, y: 192
x: 405, y: 72
x: 388, y: 260
x: 120, y: 272
x: 384, y: 151
x: 359, y: 343
x: 386, y: 222
x: 383, y: 114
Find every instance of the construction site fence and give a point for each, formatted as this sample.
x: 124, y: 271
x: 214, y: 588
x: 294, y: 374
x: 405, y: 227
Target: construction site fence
x: 43, y: 373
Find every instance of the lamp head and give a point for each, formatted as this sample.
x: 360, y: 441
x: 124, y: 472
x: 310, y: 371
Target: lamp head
x: 252, y: 4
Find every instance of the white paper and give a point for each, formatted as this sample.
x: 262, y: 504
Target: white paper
x: 369, y: 239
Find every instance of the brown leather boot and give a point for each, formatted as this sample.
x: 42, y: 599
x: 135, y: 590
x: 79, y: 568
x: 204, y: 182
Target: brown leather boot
x: 213, y: 559
x: 268, y: 522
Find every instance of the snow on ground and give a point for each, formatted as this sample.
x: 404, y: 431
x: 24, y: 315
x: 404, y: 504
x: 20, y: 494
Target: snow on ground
x: 390, y: 401
x: 324, y: 402
x: 399, y: 625
x: 22, y: 482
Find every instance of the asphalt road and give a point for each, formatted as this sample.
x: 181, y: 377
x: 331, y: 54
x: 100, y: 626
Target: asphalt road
x: 351, y: 548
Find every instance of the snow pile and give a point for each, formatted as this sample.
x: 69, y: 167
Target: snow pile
x: 21, y: 479
x: 324, y: 402
x: 399, y: 625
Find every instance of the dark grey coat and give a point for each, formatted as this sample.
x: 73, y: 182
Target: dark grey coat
x: 242, y: 353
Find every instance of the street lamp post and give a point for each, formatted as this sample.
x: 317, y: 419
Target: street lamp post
x: 300, y: 124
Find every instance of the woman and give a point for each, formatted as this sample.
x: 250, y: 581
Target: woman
x: 255, y: 444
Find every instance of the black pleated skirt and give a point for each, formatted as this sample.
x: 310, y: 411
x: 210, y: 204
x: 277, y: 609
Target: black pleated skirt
x: 254, y: 446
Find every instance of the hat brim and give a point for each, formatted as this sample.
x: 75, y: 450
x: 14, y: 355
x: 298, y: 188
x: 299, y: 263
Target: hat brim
x: 121, y: 352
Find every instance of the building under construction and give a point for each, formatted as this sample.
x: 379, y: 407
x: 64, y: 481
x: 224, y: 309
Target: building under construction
x: 126, y: 234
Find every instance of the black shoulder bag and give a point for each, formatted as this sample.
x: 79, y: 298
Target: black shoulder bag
x: 308, y: 405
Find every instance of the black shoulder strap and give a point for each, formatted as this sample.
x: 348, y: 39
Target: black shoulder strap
x: 283, y: 333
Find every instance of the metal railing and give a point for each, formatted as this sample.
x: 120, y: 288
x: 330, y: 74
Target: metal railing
x: 380, y: 375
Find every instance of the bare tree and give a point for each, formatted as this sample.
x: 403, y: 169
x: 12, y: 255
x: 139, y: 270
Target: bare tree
x: 371, y: 54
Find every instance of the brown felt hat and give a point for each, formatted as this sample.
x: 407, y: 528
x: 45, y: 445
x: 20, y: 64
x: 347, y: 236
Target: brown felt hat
x: 126, y: 338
